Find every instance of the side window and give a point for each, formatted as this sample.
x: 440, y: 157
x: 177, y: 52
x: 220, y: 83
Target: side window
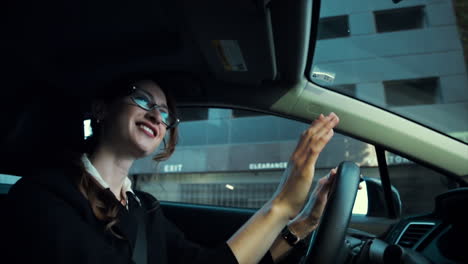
x: 237, y: 160
x: 407, y: 176
x: 6, y: 181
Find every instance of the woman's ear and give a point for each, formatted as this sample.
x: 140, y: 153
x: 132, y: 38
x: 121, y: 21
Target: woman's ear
x: 98, y: 110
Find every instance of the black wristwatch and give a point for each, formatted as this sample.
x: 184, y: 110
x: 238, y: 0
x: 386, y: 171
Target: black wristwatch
x: 291, y: 238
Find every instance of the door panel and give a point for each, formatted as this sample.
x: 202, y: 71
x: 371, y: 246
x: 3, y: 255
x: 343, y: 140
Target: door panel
x: 211, y: 225
x: 204, y: 224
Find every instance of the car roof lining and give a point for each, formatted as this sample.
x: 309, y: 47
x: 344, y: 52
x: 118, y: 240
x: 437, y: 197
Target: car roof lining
x: 95, y: 42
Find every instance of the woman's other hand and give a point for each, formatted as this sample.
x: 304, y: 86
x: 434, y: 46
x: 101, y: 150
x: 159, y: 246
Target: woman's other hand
x: 297, y: 179
x: 309, y: 218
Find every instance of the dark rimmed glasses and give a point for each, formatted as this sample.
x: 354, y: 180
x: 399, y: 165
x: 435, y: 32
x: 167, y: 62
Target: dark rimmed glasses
x: 144, y: 100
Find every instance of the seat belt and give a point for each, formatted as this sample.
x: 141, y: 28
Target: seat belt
x: 140, y: 255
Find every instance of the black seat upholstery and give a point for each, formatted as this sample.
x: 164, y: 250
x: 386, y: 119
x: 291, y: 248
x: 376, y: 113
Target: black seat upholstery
x: 40, y: 131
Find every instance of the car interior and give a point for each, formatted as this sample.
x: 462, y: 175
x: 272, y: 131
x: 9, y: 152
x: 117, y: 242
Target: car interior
x: 235, y: 54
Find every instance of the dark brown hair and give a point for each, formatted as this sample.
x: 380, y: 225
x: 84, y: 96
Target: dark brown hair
x: 103, y: 202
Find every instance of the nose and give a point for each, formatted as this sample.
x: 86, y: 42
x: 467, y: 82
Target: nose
x: 154, y: 116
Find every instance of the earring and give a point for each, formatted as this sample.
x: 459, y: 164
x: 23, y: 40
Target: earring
x: 98, y: 120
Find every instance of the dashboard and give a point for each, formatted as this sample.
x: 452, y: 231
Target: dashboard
x: 438, y: 237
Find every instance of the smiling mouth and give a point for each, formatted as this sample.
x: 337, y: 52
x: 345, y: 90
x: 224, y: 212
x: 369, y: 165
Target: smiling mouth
x: 149, y: 131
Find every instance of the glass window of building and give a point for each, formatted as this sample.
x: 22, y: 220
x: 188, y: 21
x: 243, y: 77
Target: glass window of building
x: 399, y: 19
x: 348, y: 89
x: 417, y: 69
x: 333, y: 27
x: 412, y: 92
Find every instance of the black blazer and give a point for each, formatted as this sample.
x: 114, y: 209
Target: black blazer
x: 47, y: 220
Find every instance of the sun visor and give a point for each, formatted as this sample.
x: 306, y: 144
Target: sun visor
x: 235, y: 38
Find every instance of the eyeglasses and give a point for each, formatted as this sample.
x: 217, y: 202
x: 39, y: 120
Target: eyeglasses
x: 144, y: 100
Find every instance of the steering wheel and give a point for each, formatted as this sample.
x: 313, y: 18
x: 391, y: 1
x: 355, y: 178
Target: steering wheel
x: 328, y: 239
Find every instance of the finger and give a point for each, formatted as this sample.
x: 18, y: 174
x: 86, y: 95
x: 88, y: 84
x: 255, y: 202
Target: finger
x: 319, y: 144
x: 314, y: 150
x: 331, y: 176
x: 331, y: 122
x: 318, y: 123
x: 318, y: 141
x: 303, y: 140
x: 323, y: 181
x: 318, y: 119
x: 321, y: 122
x: 310, y: 136
x: 321, y: 118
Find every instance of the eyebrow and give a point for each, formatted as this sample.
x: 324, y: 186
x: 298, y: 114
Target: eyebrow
x: 152, y: 97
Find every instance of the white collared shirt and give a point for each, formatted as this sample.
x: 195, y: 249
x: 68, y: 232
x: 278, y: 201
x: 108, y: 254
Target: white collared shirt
x: 89, y: 167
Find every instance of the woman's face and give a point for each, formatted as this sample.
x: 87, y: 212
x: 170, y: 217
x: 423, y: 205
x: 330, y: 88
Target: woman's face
x: 132, y: 130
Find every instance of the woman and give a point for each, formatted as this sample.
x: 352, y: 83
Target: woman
x: 88, y: 213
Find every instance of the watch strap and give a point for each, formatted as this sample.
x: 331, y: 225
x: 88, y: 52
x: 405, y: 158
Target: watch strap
x: 290, y: 237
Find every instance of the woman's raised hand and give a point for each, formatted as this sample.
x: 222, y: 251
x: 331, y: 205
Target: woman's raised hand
x: 297, y: 179
x: 260, y: 233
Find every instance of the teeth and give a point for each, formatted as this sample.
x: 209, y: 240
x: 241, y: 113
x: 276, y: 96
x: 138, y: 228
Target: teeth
x: 147, y: 129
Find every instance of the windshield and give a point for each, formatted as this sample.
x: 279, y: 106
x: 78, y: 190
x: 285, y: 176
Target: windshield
x: 406, y: 57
